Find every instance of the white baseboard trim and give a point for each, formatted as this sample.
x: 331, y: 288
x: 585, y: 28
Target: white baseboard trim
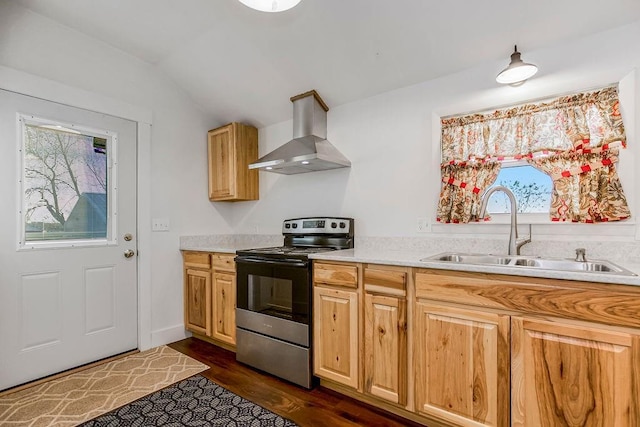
x: 169, y: 335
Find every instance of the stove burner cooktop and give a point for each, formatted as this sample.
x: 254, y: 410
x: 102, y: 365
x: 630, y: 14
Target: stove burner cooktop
x: 305, y: 236
x: 284, y: 250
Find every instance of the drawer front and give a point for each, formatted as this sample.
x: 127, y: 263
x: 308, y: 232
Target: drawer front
x: 197, y: 259
x: 385, y: 280
x: 558, y: 298
x: 336, y: 274
x: 223, y: 262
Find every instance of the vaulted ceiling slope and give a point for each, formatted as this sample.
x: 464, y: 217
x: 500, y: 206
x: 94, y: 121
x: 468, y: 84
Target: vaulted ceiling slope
x: 237, y: 63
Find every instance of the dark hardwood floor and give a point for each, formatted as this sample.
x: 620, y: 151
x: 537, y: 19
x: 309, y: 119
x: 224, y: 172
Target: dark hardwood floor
x: 316, y: 407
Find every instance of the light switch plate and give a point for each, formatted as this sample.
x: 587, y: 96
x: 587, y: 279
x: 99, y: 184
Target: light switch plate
x: 160, y: 224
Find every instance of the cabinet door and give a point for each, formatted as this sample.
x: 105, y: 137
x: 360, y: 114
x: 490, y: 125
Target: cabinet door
x: 221, y: 163
x: 566, y: 375
x: 385, y: 347
x: 462, y: 365
x: 336, y: 335
x: 224, y: 307
x: 197, y: 301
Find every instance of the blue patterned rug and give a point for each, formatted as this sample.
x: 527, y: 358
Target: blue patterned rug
x: 196, y: 401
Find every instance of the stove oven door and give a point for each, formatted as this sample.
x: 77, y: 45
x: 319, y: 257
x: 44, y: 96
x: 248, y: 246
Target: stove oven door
x: 274, y: 298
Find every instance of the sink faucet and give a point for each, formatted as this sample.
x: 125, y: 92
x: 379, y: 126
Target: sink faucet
x: 515, y: 243
x: 581, y: 255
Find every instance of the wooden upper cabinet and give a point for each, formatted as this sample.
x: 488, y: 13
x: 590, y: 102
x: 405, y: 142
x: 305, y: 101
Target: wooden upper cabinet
x: 462, y: 365
x: 567, y: 375
x: 231, y: 149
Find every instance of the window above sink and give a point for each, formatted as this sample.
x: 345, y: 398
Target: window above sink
x: 531, y: 188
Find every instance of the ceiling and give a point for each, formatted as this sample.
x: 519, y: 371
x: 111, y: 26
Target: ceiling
x: 240, y: 64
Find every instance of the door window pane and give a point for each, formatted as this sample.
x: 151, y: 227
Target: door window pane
x: 65, y: 186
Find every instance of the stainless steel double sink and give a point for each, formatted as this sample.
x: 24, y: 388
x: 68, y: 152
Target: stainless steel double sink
x: 556, y: 264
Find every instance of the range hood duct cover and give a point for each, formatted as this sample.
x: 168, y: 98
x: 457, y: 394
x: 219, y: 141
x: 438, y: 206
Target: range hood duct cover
x: 309, y: 149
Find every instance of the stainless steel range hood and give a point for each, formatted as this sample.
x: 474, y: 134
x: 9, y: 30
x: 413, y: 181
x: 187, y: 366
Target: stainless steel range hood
x: 309, y: 149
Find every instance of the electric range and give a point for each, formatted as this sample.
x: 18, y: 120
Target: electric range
x: 274, y: 297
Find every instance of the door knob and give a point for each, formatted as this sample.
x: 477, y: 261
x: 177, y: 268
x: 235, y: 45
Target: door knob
x: 129, y: 253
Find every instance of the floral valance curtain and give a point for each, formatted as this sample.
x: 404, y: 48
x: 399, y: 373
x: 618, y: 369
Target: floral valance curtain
x: 575, y: 139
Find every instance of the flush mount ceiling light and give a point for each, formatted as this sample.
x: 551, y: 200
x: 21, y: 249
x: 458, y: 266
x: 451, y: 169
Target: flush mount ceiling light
x: 517, y: 72
x: 270, y: 5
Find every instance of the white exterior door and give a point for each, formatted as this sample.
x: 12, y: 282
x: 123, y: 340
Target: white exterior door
x: 68, y: 294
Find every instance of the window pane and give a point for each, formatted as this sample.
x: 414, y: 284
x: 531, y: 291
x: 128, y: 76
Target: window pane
x: 531, y: 188
x: 65, y: 185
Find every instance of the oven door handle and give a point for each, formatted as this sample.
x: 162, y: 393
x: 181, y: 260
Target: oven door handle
x: 284, y: 263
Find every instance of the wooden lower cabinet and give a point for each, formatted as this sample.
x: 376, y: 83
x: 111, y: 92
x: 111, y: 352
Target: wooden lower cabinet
x: 385, y: 333
x: 335, y: 335
x: 462, y: 364
x: 224, y: 307
x: 567, y: 375
x: 385, y: 347
x: 467, y: 349
x: 210, y: 296
x: 197, y: 294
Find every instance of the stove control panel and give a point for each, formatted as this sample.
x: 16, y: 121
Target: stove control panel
x: 317, y: 226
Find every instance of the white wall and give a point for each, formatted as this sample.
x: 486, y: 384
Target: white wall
x: 32, y: 44
x: 392, y: 141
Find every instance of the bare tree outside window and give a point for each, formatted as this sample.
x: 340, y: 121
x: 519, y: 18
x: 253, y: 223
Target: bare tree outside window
x: 531, y: 197
x: 65, y: 185
x: 531, y: 188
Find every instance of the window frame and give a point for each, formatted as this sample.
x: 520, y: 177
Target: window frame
x: 24, y: 119
x: 543, y: 226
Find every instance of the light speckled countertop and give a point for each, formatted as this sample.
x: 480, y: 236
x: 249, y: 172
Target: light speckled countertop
x: 412, y: 259
x: 224, y: 249
x: 228, y: 243
x: 408, y: 252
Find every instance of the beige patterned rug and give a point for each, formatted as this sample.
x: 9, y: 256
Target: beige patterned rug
x: 81, y: 396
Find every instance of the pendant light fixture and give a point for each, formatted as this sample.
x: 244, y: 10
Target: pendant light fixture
x: 517, y: 72
x: 270, y: 5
